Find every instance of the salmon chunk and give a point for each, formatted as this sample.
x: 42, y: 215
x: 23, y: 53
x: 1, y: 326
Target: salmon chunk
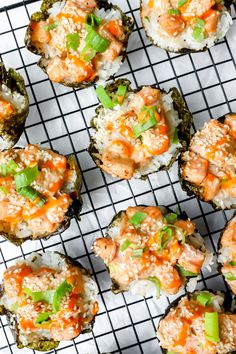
x: 196, y: 8
x: 195, y: 169
x: 229, y: 236
x: 211, y: 186
x: 191, y: 259
x: 117, y: 166
x: 105, y: 248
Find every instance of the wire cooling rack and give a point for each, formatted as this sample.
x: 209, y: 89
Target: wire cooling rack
x: 60, y: 118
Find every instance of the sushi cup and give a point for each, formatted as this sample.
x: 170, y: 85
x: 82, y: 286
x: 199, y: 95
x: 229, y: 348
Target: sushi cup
x: 152, y: 250
x: 138, y: 132
x: 39, y: 193
x: 14, y: 107
x: 47, y: 298
x: 201, y: 322
x: 208, y: 168
x: 226, y: 254
x: 79, y: 42
x: 185, y: 26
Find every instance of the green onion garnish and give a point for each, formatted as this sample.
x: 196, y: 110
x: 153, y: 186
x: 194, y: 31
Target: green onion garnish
x: 171, y: 218
x: 51, y: 26
x: 175, y: 138
x: 103, y: 96
x: 198, y: 34
x: 184, y: 273
x: 127, y: 244
x: 43, y: 317
x: 60, y: 292
x: 230, y: 276
x: 3, y: 170
x: 46, y: 296
x: 204, y: 298
x: 93, y: 20
x: 212, y: 326
x: 4, y: 190
x: 28, y: 193
x: 232, y: 263
x: 12, y: 164
x: 72, y: 41
x: 140, y: 128
x: 174, y: 12
x: 157, y: 282
x: 182, y: 2
x: 137, y: 219
x: 94, y: 40
x: 26, y: 177
x: 41, y: 202
x: 137, y: 253
x: 120, y: 94
x: 87, y: 53
x: 200, y: 23
x: 168, y: 233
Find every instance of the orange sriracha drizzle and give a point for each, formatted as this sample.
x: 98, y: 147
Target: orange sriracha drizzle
x: 6, y: 109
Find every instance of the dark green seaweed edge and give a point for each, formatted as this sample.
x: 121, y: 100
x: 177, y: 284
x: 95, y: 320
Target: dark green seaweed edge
x: 226, y: 306
x: 127, y: 21
x: 227, y: 4
x: 74, y: 209
x: 220, y: 265
x: 44, y: 344
x: 179, y: 105
x: 115, y: 287
x: 190, y: 188
x: 13, y: 127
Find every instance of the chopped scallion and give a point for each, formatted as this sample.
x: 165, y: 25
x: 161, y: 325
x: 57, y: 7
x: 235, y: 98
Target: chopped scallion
x: 93, y: 20
x: 87, y: 53
x: 171, y: 218
x: 137, y: 219
x: 103, y: 96
x: 125, y: 245
x: 137, y: 253
x: 3, y: 170
x: 198, y: 34
x: 140, y: 128
x: 212, y: 326
x: 120, y: 94
x: 182, y: 2
x: 43, y: 317
x: 175, y: 138
x: 204, y: 298
x: 174, y: 12
x: 12, y: 164
x: 4, y: 190
x: 200, y: 23
x: 184, y: 273
x: 41, y: 202
x: 26, y: 177
x: 51, y: 26
x: 94, y: 40
x: 232, y: 263
x: 72, y: 41
x: 60, y: 292
x: 157, y: 282
x: 28, y: 193
x: 230, y: 276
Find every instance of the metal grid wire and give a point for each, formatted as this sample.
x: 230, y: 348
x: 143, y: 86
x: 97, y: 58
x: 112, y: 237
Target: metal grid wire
x: 60, y: 119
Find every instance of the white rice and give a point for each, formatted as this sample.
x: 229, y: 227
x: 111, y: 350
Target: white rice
x: 226, y: 254
x: 224, y: 200
x: 103, y: 138
x: 57, y: 262
x: 185, y: 39
x: 106, y: 68
x: 18, y: 101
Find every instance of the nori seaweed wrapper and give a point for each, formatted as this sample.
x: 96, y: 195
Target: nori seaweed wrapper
x: 74, y: 209
x: 115, y: 287
x: 227, y: 4
x: 128, y: 24
x: 227, y: 306
x: 180, y: 106
x: 12, y: 127
x: 191, y: 188
x: 44, y: 344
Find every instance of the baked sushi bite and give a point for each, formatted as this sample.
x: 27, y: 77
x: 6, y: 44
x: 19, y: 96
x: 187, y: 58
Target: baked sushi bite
x: 14, y: 106
x: 39, y: 193
x: 79, y: 41
x: 185, y: 25
x: 149, y: 249
x: 138, y: 132
x: 47, y: 298
x: 227, y: 254
x: 198, y: 323
x: 208, y: 168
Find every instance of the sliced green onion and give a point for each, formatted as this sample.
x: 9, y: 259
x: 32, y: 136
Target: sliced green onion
x: 14, y: 306
x: 59, y: 293
x: 3, y: 169
x: 212, y: 326
x: 140, y: 128
x: 127, y: 244
x: 182, y: 2
x: 204, y: 298
x: 157, y: 282
x: 137, y: 253
x: 97, y: 42
x: 51, y: 26
x: 175, y: 138
x: 45, y: 296
x: 184, y: 273
x: 198, y: 34
x: 120, y: 94
x: 103, y: 96
x: 230, y: 276
x: 137, y: 219
x: 12, y: 164
x: 41, y: 202
x: 72, y: 41
x: 4, y: 190
x: 87, y: 53
x: 200, y: 23
x: 28, y: 193
x: 43, y: 317
x: 93, y: 20
x: 174, y: 12
x: 169, y: 236
x: 26, y: 177
x: 171, y: 218
x: 232, y: 263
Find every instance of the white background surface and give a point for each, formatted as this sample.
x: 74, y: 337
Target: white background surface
x: 126, y: 324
